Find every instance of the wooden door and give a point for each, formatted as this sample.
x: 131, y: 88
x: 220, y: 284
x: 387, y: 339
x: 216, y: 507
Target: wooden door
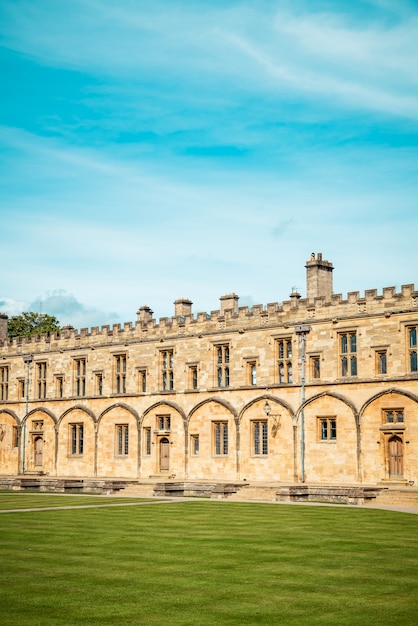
x: 395, y: 456
x: 39, y: 445
x: 164, y: 454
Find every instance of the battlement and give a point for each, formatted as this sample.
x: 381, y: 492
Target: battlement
x: 320, y: 304
x: 238, y: 318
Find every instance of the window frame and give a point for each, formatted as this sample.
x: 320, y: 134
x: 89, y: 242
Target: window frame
x: 220, y: 438
x: 122, y: 440
x: 395, y: 413
x: 347, y: 342
x: 315, y: 366
x: 41, y: 378
x: 147, y: 440
x: 259, y: 437
x: 167, y: 369
x: 194, y: 445
x: 4, y: 382
x: 142, y: 379
x: 163, y: 423
x: 76, y: 439
x: 327, y: 429
x: 412, y: 343
x: 80, y: 369
x: 98, y: 383
x: 222, y: 364
x: 284, y: 360
x: 120, y: 368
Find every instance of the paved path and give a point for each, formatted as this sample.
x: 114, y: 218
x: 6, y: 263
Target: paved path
x: 165, y: 500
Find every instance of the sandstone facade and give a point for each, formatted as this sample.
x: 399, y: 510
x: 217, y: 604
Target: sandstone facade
x: 319, y: 389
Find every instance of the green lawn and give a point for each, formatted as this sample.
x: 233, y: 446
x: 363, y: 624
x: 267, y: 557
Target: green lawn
x: 204, y: 563
x: 24, y: 500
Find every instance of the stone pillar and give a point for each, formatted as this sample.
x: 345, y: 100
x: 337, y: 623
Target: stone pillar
x: 318, y: 278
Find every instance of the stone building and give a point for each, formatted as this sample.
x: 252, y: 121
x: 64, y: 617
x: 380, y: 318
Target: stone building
x: 322, y: 390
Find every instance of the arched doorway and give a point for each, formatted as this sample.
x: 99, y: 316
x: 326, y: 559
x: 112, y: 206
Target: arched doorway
x: 395, y: 448
x: 39, y: 448
x: 164, y: 454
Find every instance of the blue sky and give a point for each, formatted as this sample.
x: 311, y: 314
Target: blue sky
x: 165, y: 149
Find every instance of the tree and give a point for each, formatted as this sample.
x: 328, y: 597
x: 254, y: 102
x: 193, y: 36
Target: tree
x: 30, y: 323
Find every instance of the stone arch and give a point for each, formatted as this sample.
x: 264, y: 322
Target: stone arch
x: 225, y: 404
x: 117, y: 441
x: 377, y: 432
x: 173, y: 405
x: 266, y: 397
x: 331, y: 452
x: 76, y: 457
x: 77, y: 407
x: 39, y: 425
x: 119, y: 405
x: 331, y: 394
x: 267, y: 441
x: 215, y: 424
x: 40, y: 410
x: 392, y: 390
x: 10, y: 429
x: 163, y: 420
x: 12, y: 415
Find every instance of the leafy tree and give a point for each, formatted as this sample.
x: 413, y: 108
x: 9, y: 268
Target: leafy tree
x: 30, y: 323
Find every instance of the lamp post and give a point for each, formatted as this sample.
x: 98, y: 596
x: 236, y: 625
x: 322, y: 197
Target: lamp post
x: 303, y: 331
x: 28, y: 360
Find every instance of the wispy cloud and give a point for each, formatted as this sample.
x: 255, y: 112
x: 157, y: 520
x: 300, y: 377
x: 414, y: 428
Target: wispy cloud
x: 152, y: 150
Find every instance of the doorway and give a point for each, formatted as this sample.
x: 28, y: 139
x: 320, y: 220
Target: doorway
x: 39, y: 448
x: 164, y: 454
x: 395, y: 456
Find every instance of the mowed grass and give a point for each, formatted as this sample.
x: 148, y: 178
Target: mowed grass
x: 27, y: 500
x: 204, y: 563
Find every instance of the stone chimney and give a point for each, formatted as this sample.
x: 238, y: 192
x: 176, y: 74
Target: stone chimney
x: 318, y: 278
x: 182, y: 307
x: 229, y: 302
x: 144, y: 314
x: 294, y: 298
x: 3, y: 326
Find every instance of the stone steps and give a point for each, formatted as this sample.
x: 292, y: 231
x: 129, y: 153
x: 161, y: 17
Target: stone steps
x: 141, y: 490
x: 401, y: 497
x: 266, y: 493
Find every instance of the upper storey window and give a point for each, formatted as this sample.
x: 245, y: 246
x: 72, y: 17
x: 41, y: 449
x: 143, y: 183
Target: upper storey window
x: 80, y: 377
x: 284, y: 360
x: 167, y: 372
x: 41, y: 379
x: 315, y: 366
x: 4, y: 382
x: 120, y: 373
x: 413, y: 349
x: 348, y: 354
x: 222, y: 365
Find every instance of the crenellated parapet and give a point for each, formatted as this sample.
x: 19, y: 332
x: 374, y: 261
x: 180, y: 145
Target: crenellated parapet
x: 320, y: 304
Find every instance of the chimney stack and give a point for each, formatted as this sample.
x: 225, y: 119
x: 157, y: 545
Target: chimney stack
x: 3, y: 326
x: 318, y: 278
x: 229, y: 302
x: 182, y: 307
x: 144, y: 315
